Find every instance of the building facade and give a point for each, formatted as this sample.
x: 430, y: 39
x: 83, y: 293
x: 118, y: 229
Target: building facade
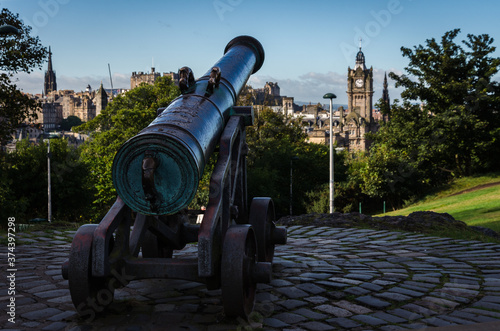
x: 140, y: 77
x: 57, y: 105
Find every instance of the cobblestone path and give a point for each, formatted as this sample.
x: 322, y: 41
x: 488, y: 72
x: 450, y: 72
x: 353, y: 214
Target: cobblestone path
x: 324, y: 279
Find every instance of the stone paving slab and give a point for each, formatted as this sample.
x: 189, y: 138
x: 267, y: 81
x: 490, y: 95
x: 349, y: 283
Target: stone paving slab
x: 324, y: 279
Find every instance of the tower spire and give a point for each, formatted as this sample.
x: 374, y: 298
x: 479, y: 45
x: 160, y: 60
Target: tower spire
x: 50, y: 60
x: 360, y: 58
x: 385, y: 99
x: 50, y: 77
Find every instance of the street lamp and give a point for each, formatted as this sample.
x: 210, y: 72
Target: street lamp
x: 49, y: 186
x: 293, y: 158
x: 8, y: 29
x: 331, y: 96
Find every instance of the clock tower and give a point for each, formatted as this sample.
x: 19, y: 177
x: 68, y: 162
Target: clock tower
x: 358, y: 120
x: 360, y: 89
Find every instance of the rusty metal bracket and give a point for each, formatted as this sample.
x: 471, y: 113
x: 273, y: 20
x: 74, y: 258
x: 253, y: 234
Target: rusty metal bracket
x: 118, y: 217
x: 227, y: 189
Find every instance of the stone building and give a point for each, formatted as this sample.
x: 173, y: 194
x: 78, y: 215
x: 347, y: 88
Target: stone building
x: 140, y: 77
x: 51, y: 115
x: 57, y: 105
x: 349, y: 125
x: 32, y: 132
x: 352, y: 124
x: 100, y: 100
x: 268, y: 96
x: 289, y: 107
x: 272, y: 89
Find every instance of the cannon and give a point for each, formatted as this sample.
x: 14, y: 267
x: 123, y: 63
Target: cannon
x: 156, y: 175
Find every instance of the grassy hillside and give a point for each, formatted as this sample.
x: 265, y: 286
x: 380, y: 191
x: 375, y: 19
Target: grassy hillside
x: 473, y: 200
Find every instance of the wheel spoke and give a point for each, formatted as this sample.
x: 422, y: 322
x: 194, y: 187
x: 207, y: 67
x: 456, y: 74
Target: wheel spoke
x: 238, y: 260
x: 262, y: 220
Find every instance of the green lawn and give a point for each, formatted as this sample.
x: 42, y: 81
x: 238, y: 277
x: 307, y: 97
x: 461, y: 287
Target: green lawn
x: 480, y: 207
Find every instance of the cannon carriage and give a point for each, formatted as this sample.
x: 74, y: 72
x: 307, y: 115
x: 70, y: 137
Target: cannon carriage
x: 156, y: 175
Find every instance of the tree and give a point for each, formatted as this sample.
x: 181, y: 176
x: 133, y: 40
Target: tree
x: 454, y: 132
x: 23, y: 186
x: 20, y: 53
x: 123, y: 118
x: 273, y: 141
x: 71, y: 121
x: 461, y: 101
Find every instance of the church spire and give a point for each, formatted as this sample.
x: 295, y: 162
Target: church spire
x: 50, y: 60
x: 386, y: 99
x: 385, y: 92
x: 50, y: 77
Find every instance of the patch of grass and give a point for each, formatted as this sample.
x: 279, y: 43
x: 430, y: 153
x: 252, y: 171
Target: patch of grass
x: 45, y: 226
x: 478, y: 207
x: 462, y: 184
x: 54, y: 226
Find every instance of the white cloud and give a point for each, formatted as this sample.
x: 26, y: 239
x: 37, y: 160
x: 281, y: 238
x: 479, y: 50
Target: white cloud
x: 33, y: 83
x: 308, y: 87
x: 30, y: 83
x: 311, y: 86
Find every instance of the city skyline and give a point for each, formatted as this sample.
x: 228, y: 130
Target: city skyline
x: 308, y: 45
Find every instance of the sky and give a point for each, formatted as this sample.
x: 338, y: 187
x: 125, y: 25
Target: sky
x: 308, y: 44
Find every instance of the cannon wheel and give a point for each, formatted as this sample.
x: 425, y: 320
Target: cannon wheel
x: 238, y: 260
x: 262, y: 220
x: 84, y: 288
x: 153, y: 247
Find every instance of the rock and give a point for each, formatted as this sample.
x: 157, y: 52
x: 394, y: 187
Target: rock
x: 421, y: 221
x: 486, y: 231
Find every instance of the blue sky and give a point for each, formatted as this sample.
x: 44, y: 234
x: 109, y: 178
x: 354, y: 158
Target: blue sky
x: 308, y: 44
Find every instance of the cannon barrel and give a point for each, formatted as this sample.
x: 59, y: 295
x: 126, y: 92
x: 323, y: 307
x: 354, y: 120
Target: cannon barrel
x: 157, y: 171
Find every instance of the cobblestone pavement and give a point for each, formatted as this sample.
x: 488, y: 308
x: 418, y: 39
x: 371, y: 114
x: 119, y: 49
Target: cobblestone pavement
x: 324, y: 279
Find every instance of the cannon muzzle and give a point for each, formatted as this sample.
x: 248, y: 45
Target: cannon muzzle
x: 157, y: 171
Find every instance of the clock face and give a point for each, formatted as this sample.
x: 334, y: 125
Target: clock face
x: 359, y: 82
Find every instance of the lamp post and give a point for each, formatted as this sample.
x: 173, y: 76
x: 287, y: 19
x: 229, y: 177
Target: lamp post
x: 8, y: 29
x: 49, y: 186
x: 331, y: 96
x: 293, y: 158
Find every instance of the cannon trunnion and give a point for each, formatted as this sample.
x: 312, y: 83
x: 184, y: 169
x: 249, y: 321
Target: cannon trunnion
x: 156, y: 175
